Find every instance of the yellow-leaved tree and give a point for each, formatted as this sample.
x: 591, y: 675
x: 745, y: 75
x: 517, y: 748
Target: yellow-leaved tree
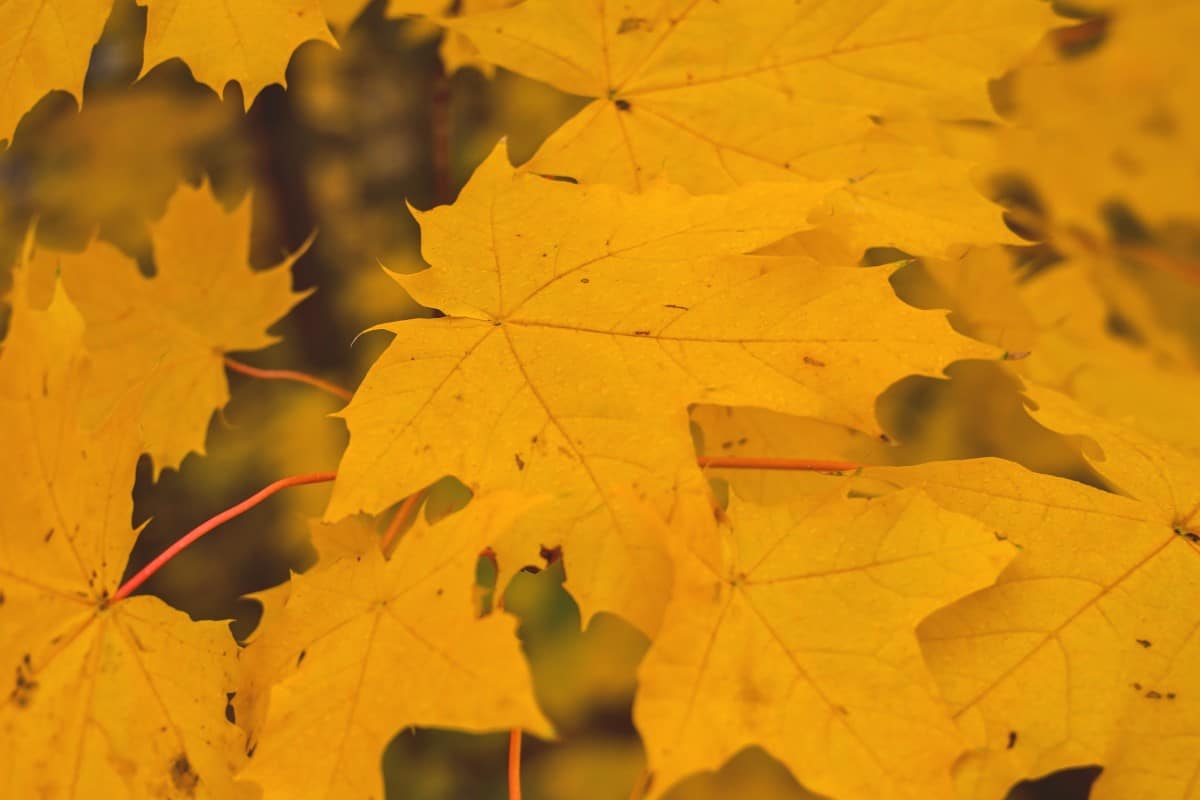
x: 830, y: 367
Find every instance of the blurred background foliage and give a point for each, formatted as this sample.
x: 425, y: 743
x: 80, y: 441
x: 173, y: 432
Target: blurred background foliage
x: 362, y: 130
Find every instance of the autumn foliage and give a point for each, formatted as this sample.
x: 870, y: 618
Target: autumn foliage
x: 842, y: 357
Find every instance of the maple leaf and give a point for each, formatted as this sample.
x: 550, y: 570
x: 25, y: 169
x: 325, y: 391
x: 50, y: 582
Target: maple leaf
x: 264, y: 664
x: 582, y: 323
x: 714, y: 95
x: 1058, y: 320
x: 1092, y: 618
x: 166, y: 337
x: 1117, y: 124
x: 379, y: 646
x: 110, y: 699
x: 227, y: 40
x: 795, y: 629
x: 1135, y: 384
x: 46, y: 46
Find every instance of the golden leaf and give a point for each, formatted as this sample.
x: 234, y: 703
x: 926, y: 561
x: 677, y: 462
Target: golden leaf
x: 108, y: 699
x: 795, y: 630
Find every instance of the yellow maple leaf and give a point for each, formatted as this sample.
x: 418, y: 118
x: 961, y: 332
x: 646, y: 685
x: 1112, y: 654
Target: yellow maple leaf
x: 262, y: 665
x: 1092, y: 619
x: 373, y: 647
x: 165, y: 337
x: 714, y: 95
x: 1058, y: 321
x: 45, y: 45
x: 795, y: 630
x: 227, y: 40
x: 108, y: 699
x: 1119, y: 123
x: 583, y: 322
x: 1126, y: 382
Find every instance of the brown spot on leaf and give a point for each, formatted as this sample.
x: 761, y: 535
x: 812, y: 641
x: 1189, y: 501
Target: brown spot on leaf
x: 630, y: 24
x: 230, y: 711
x: 22, y: 693
x: 1012, y: 739
x: 520, y: 461
x: 813, y: 362
x: 300, y: 658
x: 1143, y: 642
x: 673, y: 305
x: 551, y: 555
x: 183, y: 776
x: 622, y: 105
x: 1153, y: 695
x: 1191, y: 536
x: 48, y: 535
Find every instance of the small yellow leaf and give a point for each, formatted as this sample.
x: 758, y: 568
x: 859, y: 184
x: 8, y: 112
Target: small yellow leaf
x: 165, y: 337
x: 366, y: 648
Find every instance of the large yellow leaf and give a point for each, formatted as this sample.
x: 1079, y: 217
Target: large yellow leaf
x: 583, y: 322
x: 44, y: 45
x: 232, y: 40
x: 374, y: 647
x: 714, y: 95
x: 1085, y: 650
x: 795, y: 630
x: 106, y: 699
x: 165, y: 337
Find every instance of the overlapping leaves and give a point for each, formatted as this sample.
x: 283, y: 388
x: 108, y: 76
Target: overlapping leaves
x: 77, y: 662
x: 581, y: 324
x: 865, y: 641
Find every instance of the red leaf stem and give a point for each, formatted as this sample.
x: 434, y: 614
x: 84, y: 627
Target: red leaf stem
x: 798, y: 464
x: 514, y: 764
x: 403, y: 515
x: 154, y: 566
x: 289, y: 375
